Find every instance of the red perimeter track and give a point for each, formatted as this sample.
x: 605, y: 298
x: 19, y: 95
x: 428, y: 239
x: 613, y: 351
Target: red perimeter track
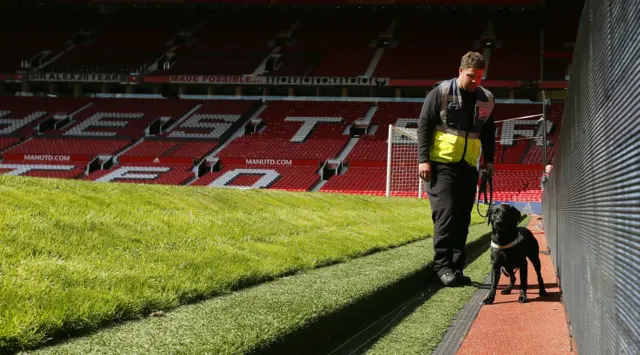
x: 536, y: 327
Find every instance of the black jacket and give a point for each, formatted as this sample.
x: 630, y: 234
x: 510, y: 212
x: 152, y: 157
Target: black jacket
x: 430, y: 117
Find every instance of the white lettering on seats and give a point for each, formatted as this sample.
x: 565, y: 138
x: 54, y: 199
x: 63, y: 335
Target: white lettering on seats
x: 549, y: 125
x: 47, y: 157
x: 509, y: 132
x: 20, y: 169
x: 309, y: 124
x: 198, y: 121
x: 269, y: 176
x: 96, y: 120
x: 15, y: 124
x: 286, y: 162
x: 148, y: 173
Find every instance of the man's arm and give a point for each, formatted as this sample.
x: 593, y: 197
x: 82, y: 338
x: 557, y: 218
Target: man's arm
x: 429, y: 117
x: 488, y: 140
x: 543, y: 181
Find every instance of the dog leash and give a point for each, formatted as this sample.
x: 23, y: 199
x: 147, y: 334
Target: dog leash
x: 485, y: 180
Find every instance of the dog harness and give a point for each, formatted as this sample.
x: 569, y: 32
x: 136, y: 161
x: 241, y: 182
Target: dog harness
x: 516, y: 241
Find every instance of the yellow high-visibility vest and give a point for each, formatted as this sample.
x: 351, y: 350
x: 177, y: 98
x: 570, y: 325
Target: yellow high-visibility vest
x: 449, y: 141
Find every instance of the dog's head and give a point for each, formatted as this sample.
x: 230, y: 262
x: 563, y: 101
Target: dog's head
x: 503, y: 217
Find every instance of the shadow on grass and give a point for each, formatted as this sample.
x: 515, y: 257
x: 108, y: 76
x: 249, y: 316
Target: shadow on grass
x: 357, y: 327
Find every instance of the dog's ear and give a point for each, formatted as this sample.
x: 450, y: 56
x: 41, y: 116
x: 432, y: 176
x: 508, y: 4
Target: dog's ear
x: 489, y: 212
x: 515, y: 213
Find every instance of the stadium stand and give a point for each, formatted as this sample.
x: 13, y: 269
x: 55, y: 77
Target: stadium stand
x: 560, y: 26
x: 554, y: 118
x: 299, y: 130
x: 144, y: 174
x: 288, y: 132
x: 6, y: 142
x: 70, y: 146
x: 421, y: 53
x: 37, y: 37
x: 57, y: 171
x: 197, y: 134
x: 518, y: 56
x: 281, y: 178
x: 123, y: 43
x: 169, y: 139
x: 331, y: 46
x: 517, y: 185
x: 195, y: 150
x: 20, y: 115
x: 122, y: 118
x: 358, y: 180
x: 247, y: 41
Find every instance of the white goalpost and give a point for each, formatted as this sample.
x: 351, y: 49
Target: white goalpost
x: 402, y: 155
x: 402, y: 163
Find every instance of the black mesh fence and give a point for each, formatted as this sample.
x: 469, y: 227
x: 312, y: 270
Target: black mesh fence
x: 592, y: 200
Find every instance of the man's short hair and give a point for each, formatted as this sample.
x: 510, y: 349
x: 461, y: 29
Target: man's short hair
x: 473, y: 60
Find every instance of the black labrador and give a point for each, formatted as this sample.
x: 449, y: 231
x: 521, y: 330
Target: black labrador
x: 511, y: 245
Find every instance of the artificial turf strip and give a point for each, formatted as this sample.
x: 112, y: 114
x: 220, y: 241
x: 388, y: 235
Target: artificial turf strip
x: 422, y: 330
x: 76, y: 255
x: 252, y: 319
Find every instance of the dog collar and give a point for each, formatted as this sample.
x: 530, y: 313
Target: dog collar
x: 516, y: 241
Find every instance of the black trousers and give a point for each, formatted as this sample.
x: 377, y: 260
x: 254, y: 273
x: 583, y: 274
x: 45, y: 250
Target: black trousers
x: 451, y: 195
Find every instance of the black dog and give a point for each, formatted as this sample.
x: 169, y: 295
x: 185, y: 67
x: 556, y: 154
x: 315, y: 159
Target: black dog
x: 510, y: 247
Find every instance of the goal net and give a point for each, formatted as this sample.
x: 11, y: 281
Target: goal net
x: 402, y: 163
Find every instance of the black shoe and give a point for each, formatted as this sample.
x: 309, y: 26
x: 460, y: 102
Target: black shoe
x: 448, y: 279
x: 462, y: 280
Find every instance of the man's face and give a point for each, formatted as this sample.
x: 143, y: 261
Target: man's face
x: 469, y: 78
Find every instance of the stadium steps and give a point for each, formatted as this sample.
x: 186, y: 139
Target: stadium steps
x: 73, y: 114
x: 380, y: 52
x: 140, y: 140
x: 486, y: 53
x: 238, y: 133
x: 333, y: 309
x: 91, y: 33
x: 370, y: 113
x: 374, y: 62
x: 526, y: 151
x: 8, y: 148
x: 318, y: 186
x: 184, y: 117
x: 347, y: 149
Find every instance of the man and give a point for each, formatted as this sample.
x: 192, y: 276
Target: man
x: 456, y: 124
x: 545, y: 176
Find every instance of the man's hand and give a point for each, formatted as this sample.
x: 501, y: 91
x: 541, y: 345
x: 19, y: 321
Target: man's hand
x: 425, y: 171
x: 490, y: 169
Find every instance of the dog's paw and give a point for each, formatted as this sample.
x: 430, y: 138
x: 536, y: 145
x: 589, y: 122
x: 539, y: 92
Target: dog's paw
x: 522, y: 299
x: 543, y: 293
x: 506, y: 291
x: 488, y: 300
